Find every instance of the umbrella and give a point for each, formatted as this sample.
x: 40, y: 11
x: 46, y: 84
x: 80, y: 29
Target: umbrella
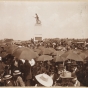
x: 38, y: 51
x: 24, y: 53
x: 58, y: 58
x: 3, y: 54
x: 36, y: 54
x: 44, y: 58
x: 71, y: 55
x: 74, y: 56
x: 41, y: 47
x: 46, y: 51
x: 83, y: 55
x: 85, y: 51
x: 11, y: 49
x: 55, y: 53
x: 52, y: 50
x: 86, y: 59
x: 77, y: 51
x: 64, y: 55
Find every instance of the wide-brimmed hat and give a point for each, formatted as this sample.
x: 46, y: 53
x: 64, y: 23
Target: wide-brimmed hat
x: 66, y: 74
x: 7, y: 77
x: 44, y: 79
x: 74, y: 63
x: 16, y: 72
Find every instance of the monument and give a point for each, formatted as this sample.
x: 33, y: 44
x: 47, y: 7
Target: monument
x: 37, y: 29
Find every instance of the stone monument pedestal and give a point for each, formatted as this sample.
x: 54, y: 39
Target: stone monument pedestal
x: 38, y: 32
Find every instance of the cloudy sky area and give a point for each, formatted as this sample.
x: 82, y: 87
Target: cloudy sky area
x: 59, y: 19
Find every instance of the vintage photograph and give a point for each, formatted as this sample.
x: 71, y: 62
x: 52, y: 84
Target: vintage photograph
x: 44, y: 43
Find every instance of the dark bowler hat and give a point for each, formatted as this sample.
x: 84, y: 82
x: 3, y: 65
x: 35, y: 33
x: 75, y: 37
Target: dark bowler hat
x: 61, y: 66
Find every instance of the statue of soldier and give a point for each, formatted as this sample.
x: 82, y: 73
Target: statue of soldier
x: 37, y: 19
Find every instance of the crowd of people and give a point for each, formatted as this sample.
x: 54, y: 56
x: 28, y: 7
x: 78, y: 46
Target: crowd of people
x: 21, y: 72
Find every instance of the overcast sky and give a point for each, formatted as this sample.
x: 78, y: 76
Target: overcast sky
x: 59, y: 19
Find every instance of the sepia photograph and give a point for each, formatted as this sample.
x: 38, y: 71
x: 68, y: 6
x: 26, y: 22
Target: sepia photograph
x: 44, y: 43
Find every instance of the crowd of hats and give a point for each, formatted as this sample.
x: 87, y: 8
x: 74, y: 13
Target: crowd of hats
x: 44, y: 78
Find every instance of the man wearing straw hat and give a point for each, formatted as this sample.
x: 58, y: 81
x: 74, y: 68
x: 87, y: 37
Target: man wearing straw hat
x: 18, y: 79
x: 8, y: 80
x: 66, y: 79
x: 61, y: 69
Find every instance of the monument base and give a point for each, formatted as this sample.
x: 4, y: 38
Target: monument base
x: 38, y: 32
x: 38, y: 37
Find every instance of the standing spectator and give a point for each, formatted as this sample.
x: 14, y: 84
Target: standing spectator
x: 14, y: 65
x: 2, y: 67
x: 75, y: 81
x: 74, y: 67
x: 8, y: 80
x: 27, y: 73
x: 18, y: 81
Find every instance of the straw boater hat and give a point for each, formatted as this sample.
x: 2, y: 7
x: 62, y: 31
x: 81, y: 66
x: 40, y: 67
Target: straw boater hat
x: 7, y: 77
x: 44, y: 79
x: 66, y: 74
x: 16, y: 72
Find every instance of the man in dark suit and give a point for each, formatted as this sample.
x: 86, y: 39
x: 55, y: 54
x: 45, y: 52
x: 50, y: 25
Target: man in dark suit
x: 27, y: 73
x: 2, y: 67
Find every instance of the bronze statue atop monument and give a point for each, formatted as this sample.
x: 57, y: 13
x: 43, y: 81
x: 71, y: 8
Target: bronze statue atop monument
x: 37, y: 19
